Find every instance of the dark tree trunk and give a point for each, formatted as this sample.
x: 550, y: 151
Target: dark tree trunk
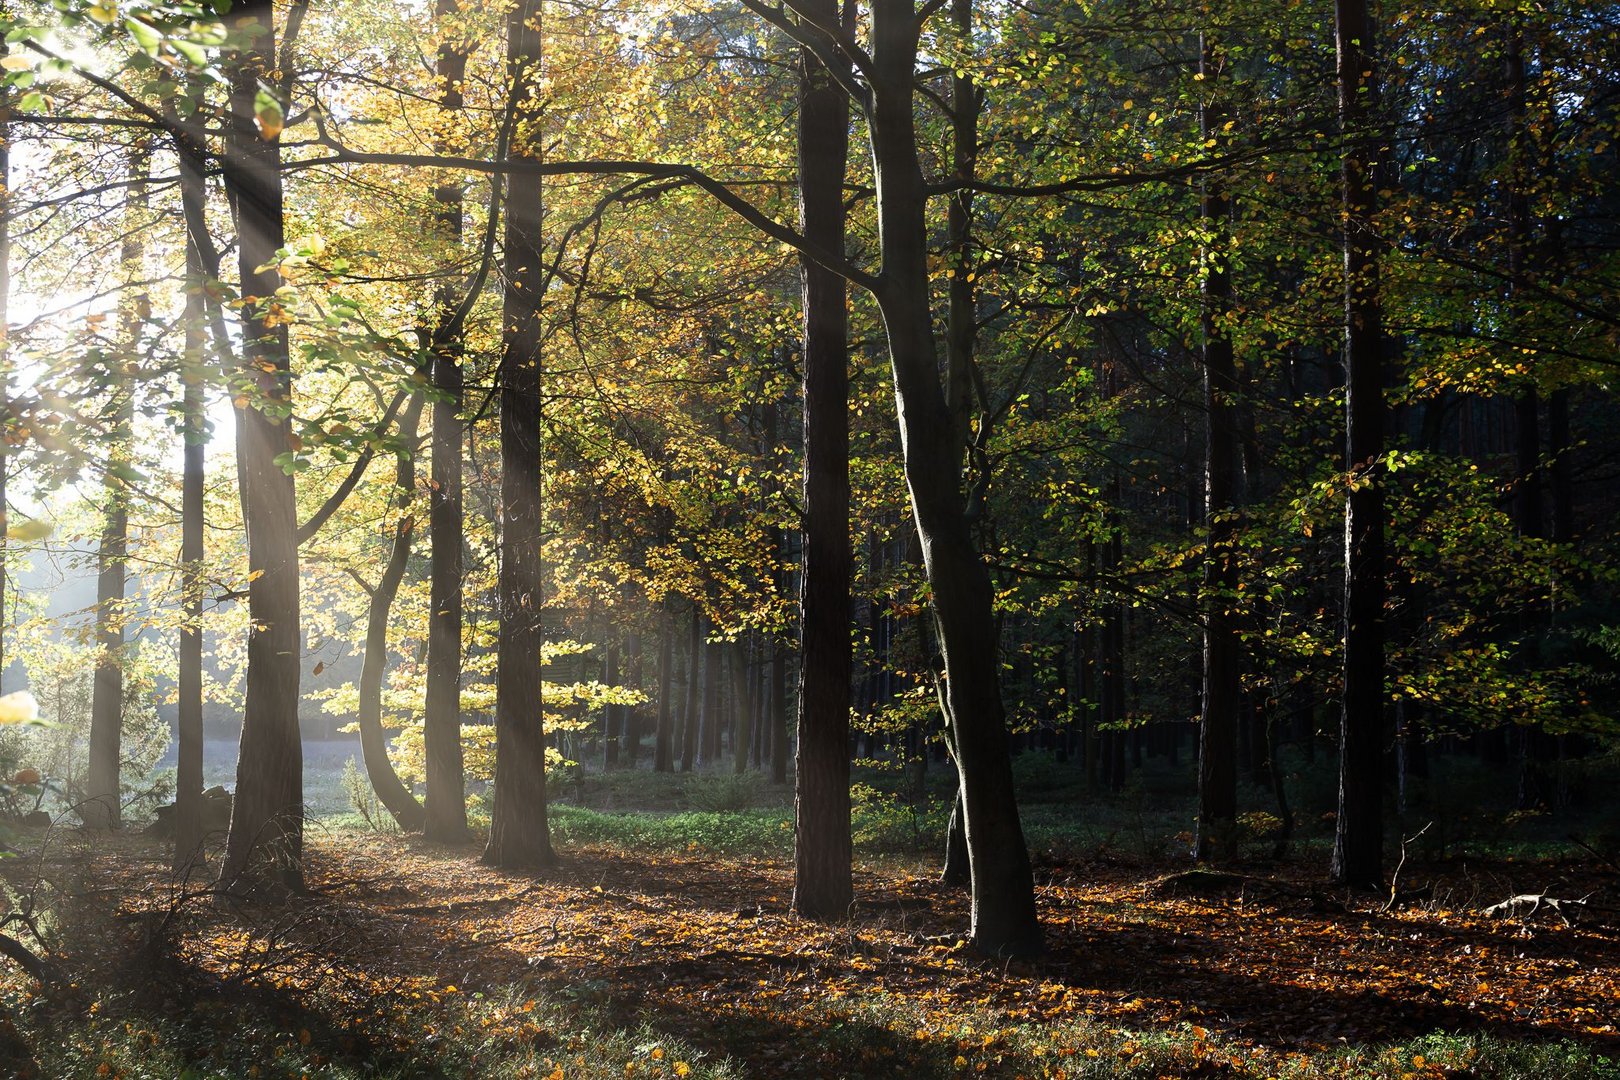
x: 713, y: 717
x: 445, y: 819
x: 612, y: 715
x: 956, y: 871
x: 266, y: 840
x: 663, y: 735
x: 5, y: 344
x: 391, y: 792
x: 632, y: 713
x: 1003, y: 907
x: 1359, y: 838
x: 519, y: 833
x: 188, y: 773
x: 1218, y: 722
x: 822, y: 885
x: 102, y: 797
x: 742, y: 688
x: 690, y: 717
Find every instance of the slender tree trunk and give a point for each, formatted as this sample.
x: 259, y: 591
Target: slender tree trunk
x: 822, y: 885
x: 663, y: 736
x: 1218, y: 724
x: 1359, y: 839
x: 445, y: 819
x: 265, y: 845
x: 1003, y: 907
x: 612, y: 715
x: 391, y: 791
x: 742, y: 683
x: 102, y: 797
x: 188, y: 773
x: 713, y: 660
x: 519, y: 833
x: 5, y: 340
x: 632, y: 713
x: 690, y: 717
x: 1560, y: 449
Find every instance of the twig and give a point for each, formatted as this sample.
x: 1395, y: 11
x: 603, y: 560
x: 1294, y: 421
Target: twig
x: 1395, y: 879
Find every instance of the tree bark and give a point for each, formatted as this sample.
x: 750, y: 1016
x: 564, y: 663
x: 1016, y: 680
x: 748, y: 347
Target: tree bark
x: 1359, y: 836
x: 822, y: 883
x: 188, y: 772
x: 102, y: 796
x: 391, y: 791
x: 445, y: 820
x: 1003, y: 908
x: 663, y: 735
x: 689, y: 715
x: 1218, y: 722
x: 265, y: 845
x: 519, y: 832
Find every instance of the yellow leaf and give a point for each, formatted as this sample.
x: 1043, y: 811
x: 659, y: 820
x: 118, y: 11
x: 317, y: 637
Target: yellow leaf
x: 16, y: 63
x: 18, y: 707
x: 32, y: 529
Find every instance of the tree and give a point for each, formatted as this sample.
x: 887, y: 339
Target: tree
x: 446, y: 797
x: 265, y: 843
x: 518, y: 832
x: 822, y: 886
x: 1359, y: 834
x: 1218, y: 721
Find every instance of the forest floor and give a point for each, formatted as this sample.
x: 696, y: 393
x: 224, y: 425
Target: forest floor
x: 408, y: 959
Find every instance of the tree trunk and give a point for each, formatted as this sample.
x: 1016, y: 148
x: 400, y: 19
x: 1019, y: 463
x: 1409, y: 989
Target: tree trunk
x: 5, y: 341
x: 519, y: 833
x: 1218, y: 723
x: 188, y: 772
x: 445, y: 819
x: 742, y: 689
x: 391, y: 792
x: 822, y: 885
x: 102, y: 797
x: 713, y: 659
x: 266, y: 840
x: 690, y: 718
x: 663, y: 736
x: 1003, y: 908
x: 612, y: 715
x: 632, y: 713
x: 1359, y: 838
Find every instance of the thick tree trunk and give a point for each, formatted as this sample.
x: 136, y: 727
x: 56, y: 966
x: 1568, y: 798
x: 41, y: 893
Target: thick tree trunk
x: 519, y: 833
x: 1003, y: 909
x: 822, y: 885
x: 1218, y: 722
x: 391, y: 791
x: 102, y: 797
x: 265, y: 845
x: 1359, y: 838
x: 445, y: 819
x: 188, y: 772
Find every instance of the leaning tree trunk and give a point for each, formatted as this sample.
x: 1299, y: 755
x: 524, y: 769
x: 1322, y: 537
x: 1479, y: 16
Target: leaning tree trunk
x: 5, y: 342
x: 519, y: 832
x: 1359, y: 837
x: 266, y: 840
x: 391, y: 791
x: 822, y: 885
x: 1218, y: 721
x: 446, y: 796
x: 1003, y: 908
